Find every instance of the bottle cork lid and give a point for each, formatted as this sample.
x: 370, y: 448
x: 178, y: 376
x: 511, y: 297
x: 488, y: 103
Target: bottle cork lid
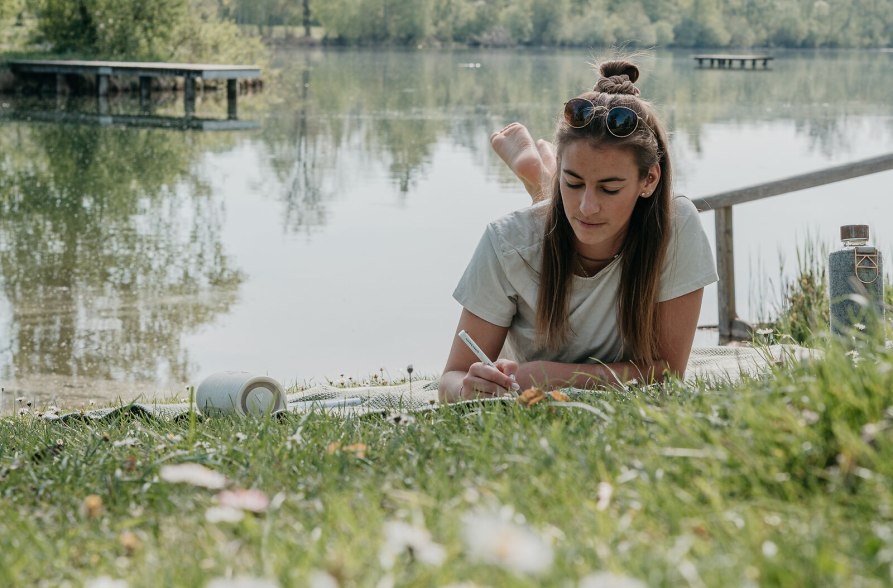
x: 854, y: 233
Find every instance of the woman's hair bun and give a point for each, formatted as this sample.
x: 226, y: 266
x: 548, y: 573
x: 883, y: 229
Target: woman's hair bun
x: 618, y: 77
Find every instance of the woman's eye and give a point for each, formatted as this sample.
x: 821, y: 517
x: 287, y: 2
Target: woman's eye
x: 573, y: 186
x: 606, y: 191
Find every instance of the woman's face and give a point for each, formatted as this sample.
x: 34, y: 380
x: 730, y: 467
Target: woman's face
x: 599, y: 188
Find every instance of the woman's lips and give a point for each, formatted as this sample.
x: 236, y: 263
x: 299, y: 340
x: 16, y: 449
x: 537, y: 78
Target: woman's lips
x: 591, y: 224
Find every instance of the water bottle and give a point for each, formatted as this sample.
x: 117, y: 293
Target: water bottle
x: 856, y: 285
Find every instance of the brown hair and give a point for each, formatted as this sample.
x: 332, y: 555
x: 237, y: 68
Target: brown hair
x: 647, y: 238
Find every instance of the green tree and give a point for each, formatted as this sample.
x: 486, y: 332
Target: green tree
x: 142, y: 29
x: 702, y: 25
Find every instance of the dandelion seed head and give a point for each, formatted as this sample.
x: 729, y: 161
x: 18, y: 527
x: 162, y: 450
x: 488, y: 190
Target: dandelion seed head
x: 770, y: 549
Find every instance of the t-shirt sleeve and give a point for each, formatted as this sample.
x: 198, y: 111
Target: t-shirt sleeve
x: 689, y: 264
x: 484, y: 290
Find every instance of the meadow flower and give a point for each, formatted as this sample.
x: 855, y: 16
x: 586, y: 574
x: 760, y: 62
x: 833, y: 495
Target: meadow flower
x: 610, y: 580
x: 603, y: 494
x: 495, y: 539
x: 126, y: 442
x: 401, y: 537
x: 224, y: 514
x: 321, y: 579
x: 770, y: 549
x: 251, y: 500
x: 193, y: 474
x: 242, y: 582
x: 105, y: 582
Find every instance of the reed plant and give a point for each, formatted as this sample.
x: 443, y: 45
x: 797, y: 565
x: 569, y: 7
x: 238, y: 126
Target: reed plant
x: 804, y: 311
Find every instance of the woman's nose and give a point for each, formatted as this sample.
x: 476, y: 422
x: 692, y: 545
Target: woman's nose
x: 589, y: 204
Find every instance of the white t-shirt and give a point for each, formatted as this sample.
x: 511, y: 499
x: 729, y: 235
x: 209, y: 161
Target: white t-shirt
x: 501, y: 283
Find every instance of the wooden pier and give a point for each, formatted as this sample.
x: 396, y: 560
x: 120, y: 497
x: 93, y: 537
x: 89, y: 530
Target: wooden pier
x: 729, y: 61
x: 730, y: 325
x: 145, y: 71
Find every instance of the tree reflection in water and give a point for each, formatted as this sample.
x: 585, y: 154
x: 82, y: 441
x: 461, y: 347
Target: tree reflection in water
x: 110, y: 250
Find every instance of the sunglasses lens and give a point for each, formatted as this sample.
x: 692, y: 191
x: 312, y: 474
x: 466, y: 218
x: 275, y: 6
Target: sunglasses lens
x: 622, y: 121
x: 578, y: 112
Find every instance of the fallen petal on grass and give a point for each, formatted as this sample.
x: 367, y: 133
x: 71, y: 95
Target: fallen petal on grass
x: 249, y: 500
x: 193, y: 474
x: 357, y: 449
x: 92, y: 506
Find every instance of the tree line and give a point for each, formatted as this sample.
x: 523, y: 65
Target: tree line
x: 596, y: 23
x: 193, y: 29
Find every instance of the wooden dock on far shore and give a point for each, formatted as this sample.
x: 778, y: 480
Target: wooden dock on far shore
x: 145, y: 71
x: 728, y: 61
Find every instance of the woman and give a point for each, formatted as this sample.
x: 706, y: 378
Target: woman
x: 602, y: 280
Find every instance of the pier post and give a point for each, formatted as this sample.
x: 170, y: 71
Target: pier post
x: 232, y: 93
x: 730, y: 326
x: 145, y: 92
x: 102, y: 85
x: 189, y: 95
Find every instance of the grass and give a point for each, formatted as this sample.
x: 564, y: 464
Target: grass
x: 782, y: 480
x: 777, y: 481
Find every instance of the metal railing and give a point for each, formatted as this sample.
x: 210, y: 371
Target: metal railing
x: 730, y: 325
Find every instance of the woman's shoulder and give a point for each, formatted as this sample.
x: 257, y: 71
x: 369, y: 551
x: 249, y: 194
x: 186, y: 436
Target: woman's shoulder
x: 520, y: 230
x: 683, y: 208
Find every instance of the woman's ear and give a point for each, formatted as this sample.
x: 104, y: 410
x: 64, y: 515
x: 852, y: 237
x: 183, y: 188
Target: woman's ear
x: 649, y: 184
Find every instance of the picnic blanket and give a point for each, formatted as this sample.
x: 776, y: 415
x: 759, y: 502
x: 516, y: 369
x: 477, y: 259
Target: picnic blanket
x: 711, y: 365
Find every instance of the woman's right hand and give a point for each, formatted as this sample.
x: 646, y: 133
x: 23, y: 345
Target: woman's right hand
x: 483, y: 381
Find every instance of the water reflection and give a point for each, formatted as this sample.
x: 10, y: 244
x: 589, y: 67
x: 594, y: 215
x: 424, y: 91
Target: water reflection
x: 397, y: 106
x: 109, y: 251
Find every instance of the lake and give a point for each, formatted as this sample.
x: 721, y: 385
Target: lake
x: 325, y: 244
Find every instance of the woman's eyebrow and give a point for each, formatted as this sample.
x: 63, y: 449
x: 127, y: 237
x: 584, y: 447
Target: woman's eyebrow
x: 601, y: 181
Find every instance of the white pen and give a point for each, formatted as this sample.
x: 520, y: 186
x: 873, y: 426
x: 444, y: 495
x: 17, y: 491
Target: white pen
x: 466, y: 338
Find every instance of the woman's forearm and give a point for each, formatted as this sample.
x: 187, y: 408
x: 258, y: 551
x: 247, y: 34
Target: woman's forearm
x: 550, y: 374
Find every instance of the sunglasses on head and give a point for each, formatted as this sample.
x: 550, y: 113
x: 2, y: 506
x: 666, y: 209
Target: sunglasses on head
x: 619, y: 120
